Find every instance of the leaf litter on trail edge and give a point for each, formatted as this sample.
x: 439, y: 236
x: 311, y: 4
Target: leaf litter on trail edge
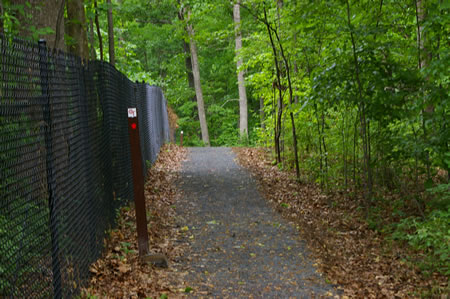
x: 119, y: 272
x: 353, y: 257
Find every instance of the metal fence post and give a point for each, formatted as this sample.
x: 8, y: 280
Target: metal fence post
x: 138, y: 182
x: 43, y: 65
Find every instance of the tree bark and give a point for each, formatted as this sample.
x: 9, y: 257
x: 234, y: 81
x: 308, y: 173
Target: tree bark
x: 188, y: 63
x: 44, y: 14
x: 277, y: 132
x: 187, y: 60
x: 2, y: 30
x: 362, y: 113
x: 91, y: 39
x: 243, y: 114
x: 198, y: 86
x: 112, y: 56
x: 291, y: 93
x: 76, y: 28
x: 261, y: 113
x: 59, y: 31
x: 420, y: 19
x: 295, y: 68
x: 423, y: 60
x: 99, y: 34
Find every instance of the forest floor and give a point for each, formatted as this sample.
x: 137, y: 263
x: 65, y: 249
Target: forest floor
x: 224, y: 239
x: 362, y: 262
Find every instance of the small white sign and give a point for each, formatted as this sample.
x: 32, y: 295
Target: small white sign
x: 132, y: 113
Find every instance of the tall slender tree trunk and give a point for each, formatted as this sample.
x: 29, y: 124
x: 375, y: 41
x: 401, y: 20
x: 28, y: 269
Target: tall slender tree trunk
x: 243, y: 116
x: 91, y: 39
x: 420, y: 19
x: 187, y: 59
x: 295, y: 69
x: 198, y: 86
x: 278, y: 86
x: 99, y: 34
x: 2, y: 30
x: 355, y: 150
x: 112, y: 55
x: 362, y: 112
x: 188, y: 63
x: 319, y: 134
x: 423, y: 59
x: 344, y: 150
x: 261, y: 113
x: 76, y: 28
x: 291, y: 99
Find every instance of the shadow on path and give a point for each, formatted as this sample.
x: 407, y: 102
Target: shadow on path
x: 240, y: 247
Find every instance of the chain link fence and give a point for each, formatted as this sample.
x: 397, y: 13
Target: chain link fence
x: 65, y: 165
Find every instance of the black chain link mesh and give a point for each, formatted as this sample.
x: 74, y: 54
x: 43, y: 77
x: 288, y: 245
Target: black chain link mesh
x: 65, y: 164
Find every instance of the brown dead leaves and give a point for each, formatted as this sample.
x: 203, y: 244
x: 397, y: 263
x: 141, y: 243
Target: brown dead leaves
x: 119, y: 273
x: 355, y: 258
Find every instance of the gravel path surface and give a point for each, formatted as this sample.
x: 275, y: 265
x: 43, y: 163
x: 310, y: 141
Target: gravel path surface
x: 240, y: 247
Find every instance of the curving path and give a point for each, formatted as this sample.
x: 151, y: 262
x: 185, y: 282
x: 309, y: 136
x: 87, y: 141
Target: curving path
x: 240, y: 247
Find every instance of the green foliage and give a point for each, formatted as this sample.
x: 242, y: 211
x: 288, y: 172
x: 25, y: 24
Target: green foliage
x: 441, y: 197
x: 432, y: 236
x: 149, y: 47
x: 406, y: 108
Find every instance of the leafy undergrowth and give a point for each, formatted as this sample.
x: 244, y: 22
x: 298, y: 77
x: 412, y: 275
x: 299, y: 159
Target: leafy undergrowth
x: 119, y: 274
x: 362, y: 262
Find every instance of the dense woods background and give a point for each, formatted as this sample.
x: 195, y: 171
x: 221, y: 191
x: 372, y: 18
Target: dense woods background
x: 353, y: 95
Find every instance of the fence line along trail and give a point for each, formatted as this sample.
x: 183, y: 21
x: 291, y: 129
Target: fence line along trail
x: 240, y: 246
x: 65, y: 163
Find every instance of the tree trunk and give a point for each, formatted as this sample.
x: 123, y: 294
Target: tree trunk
x: 261, y: 113
x: 76, y: 28
x: 362, y: 112
x: 112, y: 56
x: 243, y: 116
x: 295, y: 68
x: 291, y: 95
x: 278, y: 85
x: 423, y: 60
x: 188, y: 63
x: 59, y: 31
x: 44, y: 14
x: 99, y: 34
x: 187, y: 60
x: 91, y: 39
x: 2, y: 30
x: 420, y: 19
x: 197, y: 83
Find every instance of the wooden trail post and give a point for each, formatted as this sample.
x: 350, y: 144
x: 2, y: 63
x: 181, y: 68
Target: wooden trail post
x: 138, y: 182
x: 158, y: 260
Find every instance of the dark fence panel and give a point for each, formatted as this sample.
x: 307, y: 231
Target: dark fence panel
x: 65, y: 163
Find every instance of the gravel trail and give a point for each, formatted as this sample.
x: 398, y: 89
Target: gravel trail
x: 240, y: 247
